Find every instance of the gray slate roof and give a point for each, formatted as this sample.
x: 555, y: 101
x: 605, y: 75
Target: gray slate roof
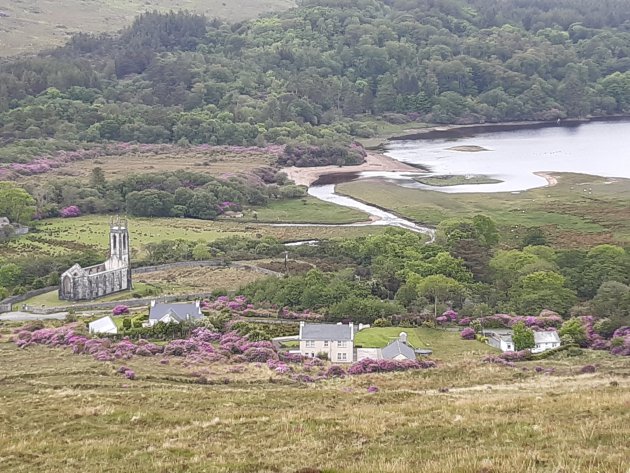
x: 331, y: 332
x: 547, y: 337
x: 396, y: 348
x: 179, y: 311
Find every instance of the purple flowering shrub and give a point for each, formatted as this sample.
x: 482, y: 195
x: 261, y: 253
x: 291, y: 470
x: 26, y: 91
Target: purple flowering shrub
x: 368, y: 365
x: 204, y: 346
x: 120, y: 310
x: 468, y: 333
x: 70, y: 212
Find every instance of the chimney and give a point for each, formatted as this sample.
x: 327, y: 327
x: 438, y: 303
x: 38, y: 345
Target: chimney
x: 403, y: 337
x: 301, y: 327
x: 153, y: 303
x: 351, y: 331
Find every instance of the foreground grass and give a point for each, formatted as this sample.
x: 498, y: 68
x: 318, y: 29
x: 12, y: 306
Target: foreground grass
x: 580, y: 211
x: 64, y: 412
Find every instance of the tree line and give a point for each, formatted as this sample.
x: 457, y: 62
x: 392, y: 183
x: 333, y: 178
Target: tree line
x: 319, y: 73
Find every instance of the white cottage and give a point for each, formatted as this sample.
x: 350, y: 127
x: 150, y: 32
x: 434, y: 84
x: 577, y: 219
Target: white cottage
x: 502, y: 341
x: 397, y: 350
x: 545, y: 341
x: 103, y: 325
x: 174, y: 313
x: 334, y: 340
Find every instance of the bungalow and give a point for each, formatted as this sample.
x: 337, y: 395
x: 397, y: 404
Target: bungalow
x: 336, y: 341
x: 545, y: 341
x: 103, y: 325
x: 174, y: 313
x: 398, y: 350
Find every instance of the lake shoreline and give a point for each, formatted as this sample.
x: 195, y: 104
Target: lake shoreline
x: 307, y: 176
x: 462, y: 131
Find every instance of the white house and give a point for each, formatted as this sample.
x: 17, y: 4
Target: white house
x: 398, y: 350
x: 174, y: 313
x: 501, y: 341
x: 335, y: 340
x: 545, y: 341
x: 103, y: 325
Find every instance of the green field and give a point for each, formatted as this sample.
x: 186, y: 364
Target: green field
x: 70, y: 413
x: 455, y: 180
x: 445, y: 345
x: 51, y: 299
x: 32, y: 25
x: 580, y: 211
x: 308, y: 210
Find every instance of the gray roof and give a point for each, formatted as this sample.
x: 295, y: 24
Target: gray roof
x: 396, y: 348
x: 332, y: 332
x: 550, y: 336
x: 178, y: 311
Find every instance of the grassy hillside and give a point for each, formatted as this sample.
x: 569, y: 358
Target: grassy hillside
x: 463, y: 417
x: 33, y: 25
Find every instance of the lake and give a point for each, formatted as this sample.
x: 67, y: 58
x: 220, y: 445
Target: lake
x: 598, y: 148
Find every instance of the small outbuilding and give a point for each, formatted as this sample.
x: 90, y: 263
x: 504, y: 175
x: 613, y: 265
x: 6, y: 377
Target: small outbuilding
x: 174, y: 312
x: 103, y: 325
x: 399, y: 349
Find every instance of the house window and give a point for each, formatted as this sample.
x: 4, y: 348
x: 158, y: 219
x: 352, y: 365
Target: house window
x: 326, y: 344
x: 341, y: 344
x: 342, y: 356
x: 310, y: 343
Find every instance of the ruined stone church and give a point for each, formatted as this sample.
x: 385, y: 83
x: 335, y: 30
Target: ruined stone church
x: 113, y: 275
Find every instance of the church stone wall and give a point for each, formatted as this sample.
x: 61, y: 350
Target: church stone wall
x: 114, y: 275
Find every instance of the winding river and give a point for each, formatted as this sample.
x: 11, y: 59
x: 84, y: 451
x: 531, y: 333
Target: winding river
x: 511, y: 157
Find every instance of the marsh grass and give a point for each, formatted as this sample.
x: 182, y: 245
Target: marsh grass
x: 581, y: 211
x: 64, y: 412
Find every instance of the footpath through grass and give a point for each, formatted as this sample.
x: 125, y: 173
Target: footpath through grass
x: 581, y: 211
x: 70, y: 413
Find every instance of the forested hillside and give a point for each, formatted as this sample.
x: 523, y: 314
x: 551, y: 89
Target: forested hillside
x: 318, y: 73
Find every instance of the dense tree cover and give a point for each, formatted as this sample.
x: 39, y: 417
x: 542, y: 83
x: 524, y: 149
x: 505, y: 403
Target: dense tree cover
x: 179, y: 194
x: 312, y: 74
x: 15, y: 203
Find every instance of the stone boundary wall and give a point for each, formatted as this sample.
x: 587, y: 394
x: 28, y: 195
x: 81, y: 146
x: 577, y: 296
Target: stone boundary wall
x: 110, y: 305
x: 182, y: 264
x: 6, y: 305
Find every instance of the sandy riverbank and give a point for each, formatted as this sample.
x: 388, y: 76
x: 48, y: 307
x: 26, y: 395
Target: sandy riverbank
x: 373, y: 162
x: 551, y: 180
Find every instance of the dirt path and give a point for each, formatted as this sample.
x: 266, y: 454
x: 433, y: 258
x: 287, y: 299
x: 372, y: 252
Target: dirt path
x: 373, y: 162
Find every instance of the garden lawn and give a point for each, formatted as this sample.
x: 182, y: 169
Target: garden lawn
x: 446, y: 345
x: 69, y: 413
x: 580, y: 211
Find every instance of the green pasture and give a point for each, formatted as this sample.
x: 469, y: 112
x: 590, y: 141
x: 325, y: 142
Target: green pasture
x: 579, y: 211
x: 308, y: 210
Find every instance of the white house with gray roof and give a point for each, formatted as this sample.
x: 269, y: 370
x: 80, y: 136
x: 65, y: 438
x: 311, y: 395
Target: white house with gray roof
x: 335, y: 340
x: 543, y: 341
x: 174, y: 312
x: 398, y: 349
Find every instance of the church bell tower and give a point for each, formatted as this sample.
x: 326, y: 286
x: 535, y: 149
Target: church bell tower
x: 119, y: 252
